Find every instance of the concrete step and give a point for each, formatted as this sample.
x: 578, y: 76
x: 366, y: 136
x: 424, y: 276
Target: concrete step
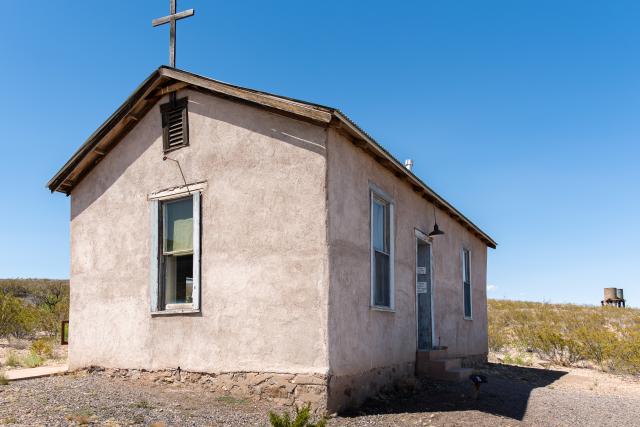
x: 449, y: 369
x: 42, y: 371
x: 435, y: 354
x: 425, y: 357
x: 445, y: 364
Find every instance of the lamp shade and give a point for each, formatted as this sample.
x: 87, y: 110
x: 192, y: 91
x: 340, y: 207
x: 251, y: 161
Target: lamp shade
x: 436, y: 231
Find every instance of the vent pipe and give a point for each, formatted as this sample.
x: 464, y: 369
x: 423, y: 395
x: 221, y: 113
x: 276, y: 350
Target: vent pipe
x: 408, y: 164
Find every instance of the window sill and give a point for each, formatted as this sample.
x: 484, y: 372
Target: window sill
x: 467, y: 318
x: 174, y: 312
x: 380, y: 308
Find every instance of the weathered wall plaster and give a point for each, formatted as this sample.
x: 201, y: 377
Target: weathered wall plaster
x: 264, y: 268
x: 362, y: 339
x: 285, y: 257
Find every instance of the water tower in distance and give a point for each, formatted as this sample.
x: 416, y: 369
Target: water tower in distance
x: 614, y: 297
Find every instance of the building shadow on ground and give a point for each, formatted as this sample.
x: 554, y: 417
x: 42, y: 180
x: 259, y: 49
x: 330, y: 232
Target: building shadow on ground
x: 506, y: 394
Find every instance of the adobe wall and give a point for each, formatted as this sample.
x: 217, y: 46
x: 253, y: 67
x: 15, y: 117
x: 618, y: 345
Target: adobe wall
x: 264, y: 250
x: 364, y: 340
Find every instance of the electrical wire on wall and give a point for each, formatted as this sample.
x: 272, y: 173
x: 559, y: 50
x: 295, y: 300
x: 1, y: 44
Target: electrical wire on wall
x: 181, y: 173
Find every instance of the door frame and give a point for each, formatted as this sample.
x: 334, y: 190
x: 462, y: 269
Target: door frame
x: 424, y: 238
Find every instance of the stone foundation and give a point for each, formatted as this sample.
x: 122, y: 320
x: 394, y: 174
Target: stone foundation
x: 349, y: 391
x: 324, y: 393
x: 474, y: 360
x: 282, y: 389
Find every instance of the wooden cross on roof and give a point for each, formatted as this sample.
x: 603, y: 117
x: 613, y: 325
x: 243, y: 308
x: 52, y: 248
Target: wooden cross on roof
x: 171, y: 19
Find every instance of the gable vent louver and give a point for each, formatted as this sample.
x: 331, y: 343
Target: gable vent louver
x: 175, y: 127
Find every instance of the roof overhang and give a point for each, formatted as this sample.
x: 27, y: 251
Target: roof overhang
x: 166, y: 80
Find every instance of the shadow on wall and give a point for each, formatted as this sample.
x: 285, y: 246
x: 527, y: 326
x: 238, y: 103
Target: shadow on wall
x: 506, y: 394
x: 118, y: 160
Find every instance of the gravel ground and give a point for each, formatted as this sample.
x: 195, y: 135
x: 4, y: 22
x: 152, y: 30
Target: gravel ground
x: 513, y: 396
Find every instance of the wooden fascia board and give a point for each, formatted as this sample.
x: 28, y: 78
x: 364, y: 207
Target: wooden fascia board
x: 106, y: 144
x: 160, y: 92
x: 271, y: 101
x: 387, y: 160
x: 86, y: 148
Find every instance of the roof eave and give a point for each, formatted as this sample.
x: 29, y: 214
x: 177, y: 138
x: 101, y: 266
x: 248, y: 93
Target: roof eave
x: 58, y: 179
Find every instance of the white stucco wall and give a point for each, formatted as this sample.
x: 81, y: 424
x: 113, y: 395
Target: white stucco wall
x: 264, y: 249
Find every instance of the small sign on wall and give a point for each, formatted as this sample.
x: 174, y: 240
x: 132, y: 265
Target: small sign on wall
x: 421, y: 270
x: 421, y: 287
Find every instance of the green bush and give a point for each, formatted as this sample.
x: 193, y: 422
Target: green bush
x: 627, y: 354
x: 3, y: 379
x: 43, y: 348
x: 17, y: 319
x: 596, y: 344
x: 30, y: 306
x: 302, y: 419
x: 32, y: 360
x: 555, y: 346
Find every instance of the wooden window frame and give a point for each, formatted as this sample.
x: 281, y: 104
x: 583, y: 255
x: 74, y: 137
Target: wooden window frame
x: 377, y: 193
x: 156, y: 281
x: 165, y: 109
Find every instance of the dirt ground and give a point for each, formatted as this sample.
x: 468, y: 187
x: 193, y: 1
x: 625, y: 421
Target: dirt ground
x: 513, y: 396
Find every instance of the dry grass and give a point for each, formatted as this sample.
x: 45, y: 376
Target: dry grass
x: 12, y: 360
x: 43, y: 348
x: 566, y: 334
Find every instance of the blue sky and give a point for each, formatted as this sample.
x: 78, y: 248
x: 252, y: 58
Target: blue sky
x: 525, y: 115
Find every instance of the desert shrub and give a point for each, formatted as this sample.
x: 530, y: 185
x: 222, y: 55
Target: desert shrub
x: 30, y: 306
x: 597, y: 344
x: 3, y: 379
x: 566, y: 334
x: 552, y: 344
x: 517, y: 359
x: 16, y: 318
x: 42, y: 347
x: 32, y: 360
x: 497, y: 338
x: 12, y: 359
x: 302, y: 419
x: 626, y: 354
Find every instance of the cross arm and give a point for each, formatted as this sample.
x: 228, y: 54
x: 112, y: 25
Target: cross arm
x: 175, y: 16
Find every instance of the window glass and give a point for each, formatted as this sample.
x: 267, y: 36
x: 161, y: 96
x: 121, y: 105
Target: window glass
x: 178, y: 226
x: 466, y: 282
x: 177, y: 259
x: 379, y: 225
x: 178, y: 273
x: 466, y: 267
x: 467, y: 300
x: 381, y: 254
x: 382, y: 291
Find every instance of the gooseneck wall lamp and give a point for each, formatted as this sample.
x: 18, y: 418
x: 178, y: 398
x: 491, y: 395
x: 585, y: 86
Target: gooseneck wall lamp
x: 436, y: 230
